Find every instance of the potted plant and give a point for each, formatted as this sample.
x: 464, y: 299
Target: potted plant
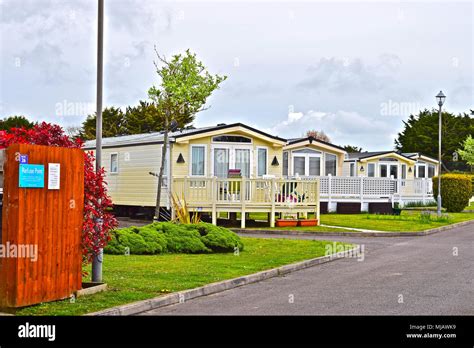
x: 287, y: 221
x: 307, y: 222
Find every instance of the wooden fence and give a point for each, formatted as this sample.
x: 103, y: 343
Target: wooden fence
x: 47, y: 219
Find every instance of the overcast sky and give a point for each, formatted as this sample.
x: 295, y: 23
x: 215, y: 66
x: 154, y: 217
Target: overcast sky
x: 353, y: 69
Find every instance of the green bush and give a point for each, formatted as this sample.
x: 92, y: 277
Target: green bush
x: 154, y: 238
x: 130, y: 238
x: 219, y: 239
x: 114, y: 246
x: 183, y: 240
x: 456, y: 190
x: 164, y: 237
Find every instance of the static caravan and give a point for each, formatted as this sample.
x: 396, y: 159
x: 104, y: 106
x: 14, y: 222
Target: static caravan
x: 130, y: 161
x: 309, y: 157
x: 406, y: 176
x: 386, y: 164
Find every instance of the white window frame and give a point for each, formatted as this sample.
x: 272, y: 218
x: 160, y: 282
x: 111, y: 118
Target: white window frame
x: 306, y: 156
x: 191, y: 160
x: 110, y: 163
x: 388, y: 164
x: 231, y: 149
x: 352, y: 169
x: 418, y: 165
x: 380, y: 170
x: 323, y: 165
x: 427, y: 170
x: 266, y: 160
x: 375, y: 169
x: 288, y: 160
x: 398, y: 170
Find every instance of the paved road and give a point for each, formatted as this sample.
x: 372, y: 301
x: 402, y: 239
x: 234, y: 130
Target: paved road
x: 421, y: 271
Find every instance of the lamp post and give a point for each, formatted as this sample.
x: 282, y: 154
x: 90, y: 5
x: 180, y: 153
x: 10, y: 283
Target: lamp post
x: 97, y: 259
x: 441, y: 98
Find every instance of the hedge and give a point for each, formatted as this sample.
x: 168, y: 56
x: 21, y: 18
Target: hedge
x: 456, y: 190
x: 168, y: 237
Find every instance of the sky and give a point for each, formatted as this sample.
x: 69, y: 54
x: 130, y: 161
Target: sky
x: 353, y: 69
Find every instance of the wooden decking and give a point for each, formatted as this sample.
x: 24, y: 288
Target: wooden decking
x: 215, y: 195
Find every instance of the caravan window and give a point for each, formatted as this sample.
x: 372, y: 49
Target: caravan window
x: 331, y: 164
x: 299, y: 165
x: 198, y: 153
x: 114, y: 163
x: 261, y: 161
x: 231, y: 139
x: 285, y: 163
x: 371, y: 170
x: 431, y: 170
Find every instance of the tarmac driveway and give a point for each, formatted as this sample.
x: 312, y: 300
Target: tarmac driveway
x: 430, y: 275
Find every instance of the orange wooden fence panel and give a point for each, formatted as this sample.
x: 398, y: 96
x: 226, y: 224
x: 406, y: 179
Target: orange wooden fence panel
x: 50, y: 220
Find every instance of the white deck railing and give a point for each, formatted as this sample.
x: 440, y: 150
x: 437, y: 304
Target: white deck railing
x: 366, y: 187
x: 248, y: 195
x: 281, y: 192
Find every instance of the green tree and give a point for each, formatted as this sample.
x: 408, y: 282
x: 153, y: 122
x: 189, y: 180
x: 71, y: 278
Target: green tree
x: 420, y: 134
x: 185, y: 85
x: 113, y: 124
x: 143, y: 118
x: 467, y: 153
x: 351, y: 148
x: 16, y: 122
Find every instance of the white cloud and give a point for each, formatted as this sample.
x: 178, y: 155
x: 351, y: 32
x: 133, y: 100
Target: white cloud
x: 336, y: 78
x: 342, y: 127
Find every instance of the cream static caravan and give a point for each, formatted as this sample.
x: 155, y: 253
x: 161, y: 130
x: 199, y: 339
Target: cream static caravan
x: 194, y: 153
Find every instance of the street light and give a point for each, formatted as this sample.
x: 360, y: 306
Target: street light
x: 441, y: 98
x: 98, y: 257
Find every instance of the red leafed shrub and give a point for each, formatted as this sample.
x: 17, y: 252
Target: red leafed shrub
x: 96, y: 201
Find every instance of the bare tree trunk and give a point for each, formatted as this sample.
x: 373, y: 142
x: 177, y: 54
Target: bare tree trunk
x: 162, y: 168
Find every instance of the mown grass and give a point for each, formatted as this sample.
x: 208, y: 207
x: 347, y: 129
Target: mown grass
x: 306, y: 229
x: 134, y: 278
x: 408, y: 221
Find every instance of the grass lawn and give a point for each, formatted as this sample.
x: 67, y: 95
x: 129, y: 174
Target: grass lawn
x: 306, y: 229
x: 407, y: 221
x: 134, y: 278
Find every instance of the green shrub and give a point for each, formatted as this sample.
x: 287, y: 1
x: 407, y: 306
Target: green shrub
x: 130, y: 238
x: 181, y: 239
x: 173, y: 238
x: 219, y: 239
x: 456, y: 190
x: 154, y: 238
x: 114, y: 246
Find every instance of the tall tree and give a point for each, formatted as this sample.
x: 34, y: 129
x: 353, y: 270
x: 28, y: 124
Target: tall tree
x: 113, y: 121
x: 467, y: 152
x: 319, y: 135
x: 185, y: 85
x: 420, y: 134
x: 16, y: 122
x: 352, y: 149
